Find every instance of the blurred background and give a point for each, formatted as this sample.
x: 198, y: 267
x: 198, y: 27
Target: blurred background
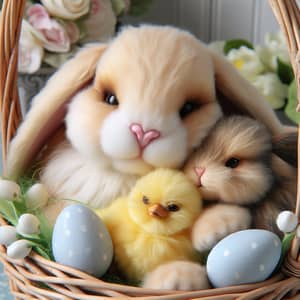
x: 212, y: 20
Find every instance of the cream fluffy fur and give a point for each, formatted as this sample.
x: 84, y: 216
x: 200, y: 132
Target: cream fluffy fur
x: 152, y: 70
x: 152, y: 81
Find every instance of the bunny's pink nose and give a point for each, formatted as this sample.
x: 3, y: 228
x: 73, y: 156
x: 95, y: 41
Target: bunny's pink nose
x: 144, y: 138
x: 199, y: 172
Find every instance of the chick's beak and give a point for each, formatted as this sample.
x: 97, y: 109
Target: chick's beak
x: 157, y: 210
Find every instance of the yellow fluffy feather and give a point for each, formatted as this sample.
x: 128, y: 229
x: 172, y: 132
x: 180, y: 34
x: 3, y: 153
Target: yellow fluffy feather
x: 151, y: 226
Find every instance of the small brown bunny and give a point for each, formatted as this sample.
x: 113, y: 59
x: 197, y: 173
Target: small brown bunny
x: 235, y: 167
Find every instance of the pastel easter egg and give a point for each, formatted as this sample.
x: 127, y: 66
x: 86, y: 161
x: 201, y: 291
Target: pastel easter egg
x: 246, y: 256
x: 81, y: 240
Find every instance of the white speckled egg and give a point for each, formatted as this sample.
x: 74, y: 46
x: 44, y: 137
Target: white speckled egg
x: 81, y: 240
x: 246, y: 256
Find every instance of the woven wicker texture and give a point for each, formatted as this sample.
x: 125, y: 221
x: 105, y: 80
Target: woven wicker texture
x: 38, y: 278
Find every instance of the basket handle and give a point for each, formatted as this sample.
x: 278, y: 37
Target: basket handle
x: 10, y: 27
x: 288, y: 16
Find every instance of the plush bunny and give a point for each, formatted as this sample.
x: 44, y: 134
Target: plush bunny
x: 144, y: 100
x: 235, y: 166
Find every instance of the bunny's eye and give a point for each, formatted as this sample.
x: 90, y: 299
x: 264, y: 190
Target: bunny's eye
x: 232, y: 163
x: 110, y: 98
x: 173, y: 207
x: 187, y: 108
x: 145, y: 200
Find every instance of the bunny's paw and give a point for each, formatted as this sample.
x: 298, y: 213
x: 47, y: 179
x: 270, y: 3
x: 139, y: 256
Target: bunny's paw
x: 216, y: 222
x: 178, y: 275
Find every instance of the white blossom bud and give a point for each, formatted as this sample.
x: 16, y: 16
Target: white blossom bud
x: 8, y: 235
x: 19, y: 249
x: 9, y: 190
x: 37, y: 196
x: 28, y: 224
x: 287, y: 221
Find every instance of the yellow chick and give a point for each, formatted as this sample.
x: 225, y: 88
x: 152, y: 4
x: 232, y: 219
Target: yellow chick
x: 151, y: 226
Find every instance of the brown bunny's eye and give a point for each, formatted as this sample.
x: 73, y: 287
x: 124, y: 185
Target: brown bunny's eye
x: 110, y: 98
x: 187, y: 108
x: 173, y: 207
x: 232, y: 163
x: 145, y: 200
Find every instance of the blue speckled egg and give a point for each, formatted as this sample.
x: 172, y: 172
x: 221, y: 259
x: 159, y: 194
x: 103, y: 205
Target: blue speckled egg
x: 246, y: 256
x: 81, y: 240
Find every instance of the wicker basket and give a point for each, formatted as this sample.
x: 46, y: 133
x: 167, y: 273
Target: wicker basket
x: 38, y: 278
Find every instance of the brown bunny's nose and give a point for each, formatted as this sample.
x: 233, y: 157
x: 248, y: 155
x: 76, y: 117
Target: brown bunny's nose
x: 158, y: 211
x: 143, y: 138
x: 199, y: 172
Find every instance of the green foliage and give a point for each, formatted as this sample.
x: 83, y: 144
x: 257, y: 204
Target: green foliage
x: 286, y: 245
x: 284, y: 71
x: 139, y: 7
x: 290, y: 109
x: 236, y: 44
x: 12, y: 210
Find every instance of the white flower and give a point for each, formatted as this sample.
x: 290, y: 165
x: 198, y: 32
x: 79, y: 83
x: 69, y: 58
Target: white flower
x: 100, y: 25
x: 28, y: 224
x: 30, y: 49
x: 275, y: 47
x: 67, y: 9
x: 246, y: 61
x: 19, y: 249
x: 217, y: 46
x: 287, y: 221
x: 272, y: 88
x: 37, y: 196
x: 9, y: 190
x: 8, y: 235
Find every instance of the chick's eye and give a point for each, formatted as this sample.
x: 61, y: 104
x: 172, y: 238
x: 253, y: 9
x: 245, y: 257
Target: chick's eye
x: 145, y: 200
x: 110, y: 98
x: 232, y: 162
x: 173, y: 207
x: 187, y: 108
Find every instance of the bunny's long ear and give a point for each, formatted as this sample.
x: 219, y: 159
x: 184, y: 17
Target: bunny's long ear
x: 242, y: 96
x: 49, y: 108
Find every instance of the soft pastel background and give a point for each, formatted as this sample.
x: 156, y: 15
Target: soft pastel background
x: 209, y: 20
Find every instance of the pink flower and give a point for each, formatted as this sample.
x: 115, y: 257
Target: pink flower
x: 72, y: 31
x: 31, y: 50
x: 55, y: 36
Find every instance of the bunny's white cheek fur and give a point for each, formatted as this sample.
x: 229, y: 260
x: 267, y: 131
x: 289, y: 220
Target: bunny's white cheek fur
x: 119, y: 143
x: 83, y: 121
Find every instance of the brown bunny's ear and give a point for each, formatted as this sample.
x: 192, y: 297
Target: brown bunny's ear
x: 285, y: 145
x: 49, y: 108
x: 241, y: 96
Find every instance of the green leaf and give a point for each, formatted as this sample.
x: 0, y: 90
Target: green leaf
x: 290, y: 109
x: 118, y: 6
x: 45, y: 228
x: 286, y: 243
x: 42, y: 252
x: 8, y: 210
x: 236, y: 44
x: 139, y: 7
x: 285, y: 246
x: 284, y: 71
x: 40, y: 249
